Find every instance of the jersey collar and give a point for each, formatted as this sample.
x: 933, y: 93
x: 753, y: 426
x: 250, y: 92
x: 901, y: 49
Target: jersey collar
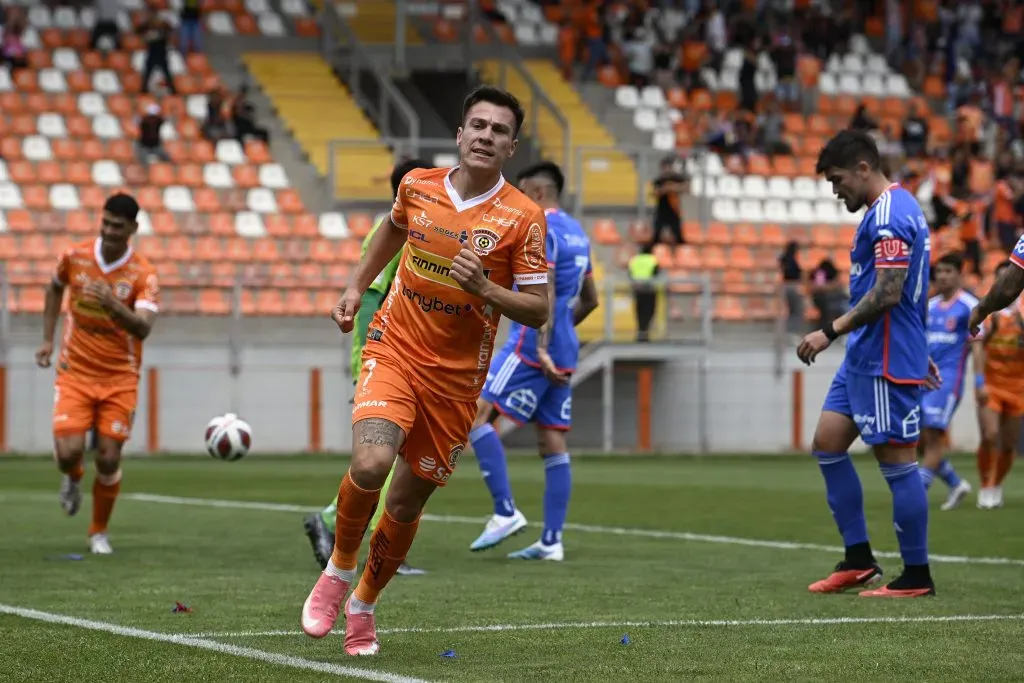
x: 107, y: 268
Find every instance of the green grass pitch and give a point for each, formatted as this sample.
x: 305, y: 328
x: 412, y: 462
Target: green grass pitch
x: 703, y: 562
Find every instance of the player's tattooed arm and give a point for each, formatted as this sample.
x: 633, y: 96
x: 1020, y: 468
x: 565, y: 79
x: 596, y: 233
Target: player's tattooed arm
x: 884, y: 295
x: 1004, y: 292
x: 376, y: 431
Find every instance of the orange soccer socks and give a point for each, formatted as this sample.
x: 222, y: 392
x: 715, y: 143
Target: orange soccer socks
x: 355, y: 508
x: 389, y: 545
x: 105, y: 488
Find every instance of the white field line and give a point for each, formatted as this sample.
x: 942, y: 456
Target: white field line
x: 204, y: 643
x: 583, y: 528
x: 694, y: 623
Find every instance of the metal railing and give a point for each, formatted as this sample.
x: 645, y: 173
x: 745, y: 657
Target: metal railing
x: 378, y: 95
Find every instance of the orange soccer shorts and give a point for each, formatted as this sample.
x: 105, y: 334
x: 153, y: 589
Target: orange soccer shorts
x: 80, y: 405
x: 436, y: 428
x: 1005, y: 402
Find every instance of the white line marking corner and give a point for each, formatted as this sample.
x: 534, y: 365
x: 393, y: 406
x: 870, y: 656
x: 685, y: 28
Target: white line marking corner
x: 203, y: 643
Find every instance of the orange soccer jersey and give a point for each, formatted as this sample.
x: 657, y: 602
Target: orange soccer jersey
x: 98, y: 367
x: 429, y: 346
x: 1003, y: 337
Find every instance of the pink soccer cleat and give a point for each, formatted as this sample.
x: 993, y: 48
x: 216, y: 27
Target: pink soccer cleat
x: 320, y: 611
x: 360, y: 633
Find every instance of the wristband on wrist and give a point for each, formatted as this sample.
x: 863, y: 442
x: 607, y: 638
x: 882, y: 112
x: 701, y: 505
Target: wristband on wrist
x: 979, y: 381
x: 830, y: 332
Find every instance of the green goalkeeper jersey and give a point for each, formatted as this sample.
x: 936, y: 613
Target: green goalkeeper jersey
x: 372, y: 300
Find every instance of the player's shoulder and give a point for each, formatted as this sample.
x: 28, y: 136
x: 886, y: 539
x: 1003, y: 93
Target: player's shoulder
x: 901, y: 203
x: 935, y: 300
x: 140, y: 261
x: 967, y: 299
x: 426, y: 174
x: 513, y: 200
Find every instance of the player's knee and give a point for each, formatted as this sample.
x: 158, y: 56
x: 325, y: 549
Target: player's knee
x: 69, y: 451
x: 108, y: 457
x: 551, y: 442
x: 485, y: 413
x: 370, y: 466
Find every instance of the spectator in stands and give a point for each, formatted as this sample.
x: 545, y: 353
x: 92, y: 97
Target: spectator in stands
x: 190, y: 28
x: 784, y: 54
x: 12, y: 49
x: 150, y: 144
x: 827, y: 292
x: 669, y: 187
x: 748, y: 79
x: 771, y: 128
x: 643, y: 269
x: 106, y: 26
x: 156, y: 33
x: 243, y: 116
x: 714, y: 30
x: 792, y: 288
x: 663, y: 67
x: 915, y: 133
x: 215, y: 127
x: 639, y: 53
x: 1004, y: 209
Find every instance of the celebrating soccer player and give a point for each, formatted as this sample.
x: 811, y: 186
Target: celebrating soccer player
x: 320, y: 526
x: 469, y: 237
x: 877, y: 390
x: 112, y: 308
x: 948, y: 347
x: 999, y: 372
x: 529, y: 377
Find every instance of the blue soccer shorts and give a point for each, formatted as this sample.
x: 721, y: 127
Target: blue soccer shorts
x: 884, y: 412
x: 938, y: 407
x: 523, y: 394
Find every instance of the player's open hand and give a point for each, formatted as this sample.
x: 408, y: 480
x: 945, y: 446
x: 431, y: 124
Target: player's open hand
x: 934, y: 379
x: 975, y: 321
x: 344, y: 312
x: 99, y: 291
x: 43, y: 354
x: 468, y: 270
x: 550, y: 370
x: 811, y: 346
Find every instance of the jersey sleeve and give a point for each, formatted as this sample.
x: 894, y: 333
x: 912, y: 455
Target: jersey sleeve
x: 529, y: 262
x: 589, y: 272
x: 147, y: 296
x: 894, y: 229
x: 399, y: 215
x: 552, y: 249
x: 62, y: 271
x: 1017, y: 256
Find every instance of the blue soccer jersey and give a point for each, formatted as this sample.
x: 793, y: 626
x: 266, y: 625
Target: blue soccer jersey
x: 949, y: 347
x: 893, y: 234
x: 568, y: 249
x: 879, y: 385
x: 515, y: 385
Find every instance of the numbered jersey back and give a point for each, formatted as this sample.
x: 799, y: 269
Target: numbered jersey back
x: 893, y: 235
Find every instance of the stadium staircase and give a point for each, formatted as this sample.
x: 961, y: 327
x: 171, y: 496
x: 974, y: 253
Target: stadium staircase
x: 301, y: 88
x: 374, y: 23
x: 609, y: 175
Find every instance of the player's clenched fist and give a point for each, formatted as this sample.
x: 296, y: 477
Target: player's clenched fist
x: 43, y: 354
x: 344, y: 313
x: 468, y: 271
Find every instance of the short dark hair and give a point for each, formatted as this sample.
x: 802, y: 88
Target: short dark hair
x: 502, y: 98
x: 954, y: 259
x: 402, y: 168
x: 123, y: 206
x: 546, y: 169
x: 847, y: 149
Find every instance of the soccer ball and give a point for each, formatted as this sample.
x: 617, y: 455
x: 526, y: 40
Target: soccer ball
x: 228, y: 437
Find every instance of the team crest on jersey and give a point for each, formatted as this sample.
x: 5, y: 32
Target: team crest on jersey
x: 454, y: 453
x: 484, y: 241
x: 534, y: 248
x: 122, y: 289
x: 951, y: 324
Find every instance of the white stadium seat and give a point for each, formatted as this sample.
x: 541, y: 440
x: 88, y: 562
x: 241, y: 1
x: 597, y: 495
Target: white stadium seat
x: 217, y: 175
x: 179, y: 199
x: 91, y: 104
x: 333, y: 226
x: 273, y: 176
x: 107, y: 174
x: 36, y: 148
x: 10, y: 196
x: 52, y: 125
x: 627, y: 97
x: 261, y: 200
x: 230, y: 152
x: 64, y: 197
x: 249, y: 224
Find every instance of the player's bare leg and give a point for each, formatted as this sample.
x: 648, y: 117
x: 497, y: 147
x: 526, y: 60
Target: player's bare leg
x: 553, y: 450
x: 507, y: 520
x: 832, y: 440
x: 988, y: 452
x: 389, y: 545
x: 934, y: 463
x: 375, y: 443
x: 910, y: 519
x: 69, y: 453
x: 105, y: 489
